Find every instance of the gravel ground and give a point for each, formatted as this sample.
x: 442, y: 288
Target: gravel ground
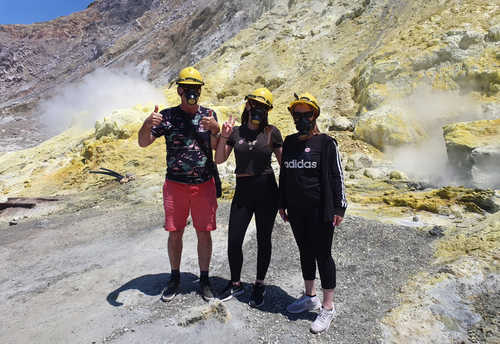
x: 92, y: 274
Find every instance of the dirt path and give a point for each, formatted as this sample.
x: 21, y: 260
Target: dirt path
x: 95, y: 275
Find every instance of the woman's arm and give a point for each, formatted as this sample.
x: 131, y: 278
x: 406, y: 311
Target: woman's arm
x: 339, y: 194
x: 282, y: 182
x: 223, y: 150
x: 277, y: 153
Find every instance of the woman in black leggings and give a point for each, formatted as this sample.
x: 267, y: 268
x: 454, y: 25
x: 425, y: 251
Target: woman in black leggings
x: 253, y: 142
x: 313, y: 200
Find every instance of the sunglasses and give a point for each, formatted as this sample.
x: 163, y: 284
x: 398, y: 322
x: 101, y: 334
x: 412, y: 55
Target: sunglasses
x: 299, y: 115
x: 190, y: 87
x: 258, y: 105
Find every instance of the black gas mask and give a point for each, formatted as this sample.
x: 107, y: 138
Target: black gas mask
x: 303, y: 123
x: 191, y: 93
x: 257, y: 113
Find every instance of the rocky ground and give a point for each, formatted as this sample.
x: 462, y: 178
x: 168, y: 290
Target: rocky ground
x: 91, y: 268
x: 19, y: 133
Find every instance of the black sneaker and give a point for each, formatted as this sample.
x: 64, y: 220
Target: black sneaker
x: 230, y: 290
x: 206, y: 290
x: 170, y: 290
x: 257, y: 299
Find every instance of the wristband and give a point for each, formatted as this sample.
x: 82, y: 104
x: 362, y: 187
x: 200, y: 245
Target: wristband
x: 227, y: 138
x: 216, y: 135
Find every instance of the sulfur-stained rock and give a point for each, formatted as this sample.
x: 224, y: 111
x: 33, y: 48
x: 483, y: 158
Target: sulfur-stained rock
x: 215, y: 309
x: 388, y: 126
x: 473, y: 152
x: 113, y: 125
x: 358, y: 161
x: 396, y: 174
x: 493, y: 34
x: 374, y: 173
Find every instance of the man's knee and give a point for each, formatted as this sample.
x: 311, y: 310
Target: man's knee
x: 176, y: 236
x: 204, y: 236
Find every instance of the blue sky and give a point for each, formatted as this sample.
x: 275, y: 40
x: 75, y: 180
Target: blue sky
x: 31, y: 11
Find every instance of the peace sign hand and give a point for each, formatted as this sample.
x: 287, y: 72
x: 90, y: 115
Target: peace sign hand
x: 227, y: 127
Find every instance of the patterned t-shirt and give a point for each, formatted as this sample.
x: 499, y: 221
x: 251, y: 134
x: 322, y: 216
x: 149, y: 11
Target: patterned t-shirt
x: 186, y: 162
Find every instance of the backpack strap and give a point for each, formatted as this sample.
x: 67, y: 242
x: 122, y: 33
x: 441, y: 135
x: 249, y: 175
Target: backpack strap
x: 197, y: 137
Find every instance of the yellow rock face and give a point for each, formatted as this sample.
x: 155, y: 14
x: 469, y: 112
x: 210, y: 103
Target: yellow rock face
x: 473, y: 134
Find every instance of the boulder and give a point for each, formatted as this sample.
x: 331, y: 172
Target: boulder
x: 114, y: 125
x: 474, y: 152
x: 339, y: 123
x: 374, y: 173
x: 470, y: 38
x: 357, y: 161
x: 493, y: 34
x: 485, y: 171
x: 388, y: 126
x: 396, y: 174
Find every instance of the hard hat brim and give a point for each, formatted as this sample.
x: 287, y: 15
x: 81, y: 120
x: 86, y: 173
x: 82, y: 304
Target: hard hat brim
x: 295, y: 102
x: 260, y: 99
x: 190, y: 81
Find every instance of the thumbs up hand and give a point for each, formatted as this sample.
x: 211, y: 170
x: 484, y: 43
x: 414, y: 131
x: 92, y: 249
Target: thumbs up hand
x: 154, y: 119
x: 209, y: 123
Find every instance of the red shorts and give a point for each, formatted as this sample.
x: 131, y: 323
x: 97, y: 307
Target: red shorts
x: 178, y: 198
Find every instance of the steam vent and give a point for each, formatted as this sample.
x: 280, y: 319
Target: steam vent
x: 409, y: 89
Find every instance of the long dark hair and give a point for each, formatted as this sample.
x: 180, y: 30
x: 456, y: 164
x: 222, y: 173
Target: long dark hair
x: 264, y: 126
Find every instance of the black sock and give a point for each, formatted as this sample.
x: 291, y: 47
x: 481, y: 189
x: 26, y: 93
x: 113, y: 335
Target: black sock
x: 203, y: 275
x: 175, y: 273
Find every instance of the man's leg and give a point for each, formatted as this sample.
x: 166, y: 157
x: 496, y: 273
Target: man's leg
x: 174, y: 255
x: 203, y: 211
x: 175, y: 248
x: 204, y: 249
x: 204, y: 255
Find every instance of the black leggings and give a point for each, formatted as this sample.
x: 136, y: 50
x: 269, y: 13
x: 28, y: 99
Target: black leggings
x: 259, y: 195
x: 314, y: 238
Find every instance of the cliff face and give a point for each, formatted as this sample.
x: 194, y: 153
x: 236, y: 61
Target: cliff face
x: 151, y: 37
x: 373, y: 65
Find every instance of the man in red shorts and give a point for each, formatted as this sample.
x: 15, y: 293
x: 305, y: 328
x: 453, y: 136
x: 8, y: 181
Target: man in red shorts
x: 189, y: 183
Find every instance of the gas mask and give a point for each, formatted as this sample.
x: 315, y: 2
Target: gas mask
x: 303, y: 126
x: 191, y: 96
x: 257, y: 114
x: 303, y: 122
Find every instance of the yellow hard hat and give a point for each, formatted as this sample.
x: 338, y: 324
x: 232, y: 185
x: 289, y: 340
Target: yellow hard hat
x: 262, y: 95
x: 190, y: 76
x: 305, y: 98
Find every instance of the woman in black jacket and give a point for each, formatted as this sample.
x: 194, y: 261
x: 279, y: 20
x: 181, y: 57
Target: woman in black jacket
x: 313, y: 200
x: 256, y: 192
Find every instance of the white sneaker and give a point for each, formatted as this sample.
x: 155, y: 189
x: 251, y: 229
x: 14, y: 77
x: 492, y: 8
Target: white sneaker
x: 322, y: 322
x: 305, y: 303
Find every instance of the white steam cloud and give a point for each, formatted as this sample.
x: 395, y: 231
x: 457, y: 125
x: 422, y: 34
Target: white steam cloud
x: 95, y: 97
x: 428, y: 161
